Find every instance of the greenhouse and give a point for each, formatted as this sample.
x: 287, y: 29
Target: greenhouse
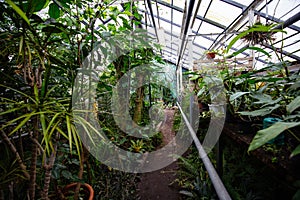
x: 149, y: 99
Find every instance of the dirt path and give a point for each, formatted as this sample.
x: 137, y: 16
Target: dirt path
x: 159, y: 184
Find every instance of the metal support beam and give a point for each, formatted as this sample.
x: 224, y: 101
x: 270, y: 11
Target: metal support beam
x: 285, y: 24
x: 236, y: 22
x: 289, y: 22
x: 197, y: 17
x: 152, y: 17
x: 186, y: 27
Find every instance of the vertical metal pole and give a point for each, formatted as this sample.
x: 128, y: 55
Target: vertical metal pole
x: 180, y: 80
x: 219, y: 151
x: 177, y: 84
x: 150, y: 94
x: 251, y: 22
x: 191, y: 109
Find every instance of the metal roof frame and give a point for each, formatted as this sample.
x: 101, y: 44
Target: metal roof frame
x: 190, y: 15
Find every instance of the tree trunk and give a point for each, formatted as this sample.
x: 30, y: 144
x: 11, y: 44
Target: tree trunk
x: 84, y: 156
x: 137, y: 117
x: 34, y: 155
x: 48, y: 169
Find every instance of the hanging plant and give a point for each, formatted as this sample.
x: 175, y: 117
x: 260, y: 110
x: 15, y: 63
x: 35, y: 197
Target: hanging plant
x: 259, y: 33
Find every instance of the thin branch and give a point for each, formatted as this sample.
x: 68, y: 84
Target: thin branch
x: 14, y: 150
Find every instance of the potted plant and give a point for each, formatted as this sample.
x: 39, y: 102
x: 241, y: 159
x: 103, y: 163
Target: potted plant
x: 86, y: 190
x: 211, y: 54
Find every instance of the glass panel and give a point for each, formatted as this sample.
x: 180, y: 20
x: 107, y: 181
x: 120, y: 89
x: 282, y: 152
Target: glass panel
x: 293, y: 48
x: 223, y: 13
x: 196, y: 24
x: 177, y: 17
x: 282, y: 9
x: 176, y: 30
x: 203, y: 7
x: 207, y: 28
x: 165, y: 25
x: 164, y: 12
x: 244, y: 2
x: 203, y: 41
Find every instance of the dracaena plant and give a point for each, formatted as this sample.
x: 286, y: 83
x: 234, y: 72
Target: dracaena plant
x: 32, y: 62
x: 46, y: 122
x: 41, y: 51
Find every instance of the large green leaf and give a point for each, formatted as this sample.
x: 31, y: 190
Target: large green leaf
x: 265, y: 99
x: 54, y: 11
x: 251, y: 48
x: 256, y: 28
x: 265, y: 135
x: 237, y: 95
x: 293, y: 105
x: 51, y: 29
x: 64, y: 3
x: 260, y: 112
x: 262, y: 98
x: 38, y: 5
x: 296, y: 195
x: 18, y: 10
x: 68, y: 121
x: 296, y: 151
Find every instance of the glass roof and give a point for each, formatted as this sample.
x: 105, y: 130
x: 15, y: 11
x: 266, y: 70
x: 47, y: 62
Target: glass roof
x: 186, y: 28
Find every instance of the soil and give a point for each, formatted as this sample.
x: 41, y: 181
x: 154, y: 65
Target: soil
x: 161, y: 184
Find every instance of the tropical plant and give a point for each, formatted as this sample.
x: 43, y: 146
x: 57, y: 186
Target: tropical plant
x: 274, y: 94
x: 40, y: 52
x: 290, y: 120
x: 259, y: 33
x: 193, y: 178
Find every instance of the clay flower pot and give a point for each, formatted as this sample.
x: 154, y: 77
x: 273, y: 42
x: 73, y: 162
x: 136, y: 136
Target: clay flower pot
x: 211, y: 55
x: 85, y: 189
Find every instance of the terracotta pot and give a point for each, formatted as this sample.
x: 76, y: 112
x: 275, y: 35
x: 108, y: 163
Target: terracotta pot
x: 87, y: 190
x: 211, y: 55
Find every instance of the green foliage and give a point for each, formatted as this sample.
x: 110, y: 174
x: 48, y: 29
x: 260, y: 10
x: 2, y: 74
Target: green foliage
x: 193, y: 178
x: 51, y: 114
x: 296, y: 151
x: 256, y: 28
x: 265, y: 135
x: 177, y: 121
x: 54, y: 11
x: 247, y: 178
x: 268, y: 96
x: 10, y: 170
x: 40, y: 58
x: 18, y: 10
